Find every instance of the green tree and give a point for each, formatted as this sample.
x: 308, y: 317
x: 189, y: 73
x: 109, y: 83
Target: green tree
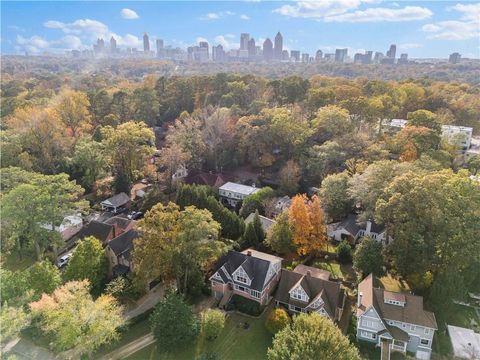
x: 434, y: 221
x: 213, y: 322
x: 280, y: 236
x: 308, y: 336
x: 256, y: 201
x: 43, y: 278
x: 176, y: 244
x: 145, y: 105
x: 258, y: 227
x: 128, y: 146
x: 424, y: 118
x: 75, y: 321
x: 473, y: 164
x: 72, y: 107
x: 14, y: 286
x: 89, y: 161
x: 88, y: 262
x: 368, y: 257
x: 344, y: 252
x: 174, y: 323
x: 277, y: 320
x: 13, y: 320
x: 249, y: 238
x: 333, y: 120
x: 289, y: 178
x: 335, y: 199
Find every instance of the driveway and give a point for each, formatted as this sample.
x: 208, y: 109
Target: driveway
x: 130, y: 348
x: 147, y: 302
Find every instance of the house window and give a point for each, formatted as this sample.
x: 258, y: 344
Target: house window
x: 215, y: 283
x: 427, y: 331
x: 369, y: 335
x: 240, y: 288
x: 424, y: 341
x: 255, y: 293
x: 241, y: 276
x: 412, y: 327
x: 390, y: 322
x: 299, y: 294
x: 404, y: 326
x: 294, y: 308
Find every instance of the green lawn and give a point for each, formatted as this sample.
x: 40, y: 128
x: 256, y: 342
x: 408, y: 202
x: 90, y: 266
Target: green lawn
x: 235, y: 343
x: 14, y: 263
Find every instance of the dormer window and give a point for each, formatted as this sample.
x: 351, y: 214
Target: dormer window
x: 394, y: 298
x: 241, y: 276
x: 299, y: 294
x: 241, y: 279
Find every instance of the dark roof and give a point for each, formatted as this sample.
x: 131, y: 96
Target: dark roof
x: 266, y: 222
x: 117, y: 200
x: 353, y: 226
x: 412, y: 312
x: 123, y: 244
x: 329, y: 291
x: 255, y: 267
x: 205, y: 178
x: 99, y: 230
x: 397, y: 333
x: 120, y: 221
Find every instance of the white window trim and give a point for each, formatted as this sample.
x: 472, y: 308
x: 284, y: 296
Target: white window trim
x: 427, y: 340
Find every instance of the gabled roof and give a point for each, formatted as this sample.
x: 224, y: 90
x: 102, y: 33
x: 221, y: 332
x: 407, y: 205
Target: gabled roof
x: 329, y: 291
x: 352, y: 225
x: 97, y: 229
x: 266, y: 222
x: 412, y: 312
x: 121, y: 222
x: 123, y: 244
x: 205, y: 178
x: 255, y: 267
x: 116, y: 200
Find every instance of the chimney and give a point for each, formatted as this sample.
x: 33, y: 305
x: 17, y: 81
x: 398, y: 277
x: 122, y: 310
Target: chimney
x: 369, y: 227
x: 359, y: 301
x: 249, y: 253
x: 309, y: 273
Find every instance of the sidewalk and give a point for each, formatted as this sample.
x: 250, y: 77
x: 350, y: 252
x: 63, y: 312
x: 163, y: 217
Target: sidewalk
x: 25, y: 349
x: 147, y: 302
x: 130, y: 348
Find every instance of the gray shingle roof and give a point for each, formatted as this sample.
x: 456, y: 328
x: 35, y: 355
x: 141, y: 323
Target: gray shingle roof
x: 117, y: 200
x: 97, y: 229
x: 266, y: 222
x: 123, y: 244
x: 330, y: 292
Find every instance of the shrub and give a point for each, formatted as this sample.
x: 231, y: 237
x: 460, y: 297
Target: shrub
x: 244, y: 305
x: 277, y: 319
x: 213, y: 322
x: 344, y: 252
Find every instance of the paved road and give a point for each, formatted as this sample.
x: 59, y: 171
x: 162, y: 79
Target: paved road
x: 147, y: 302
x: 130, y: 348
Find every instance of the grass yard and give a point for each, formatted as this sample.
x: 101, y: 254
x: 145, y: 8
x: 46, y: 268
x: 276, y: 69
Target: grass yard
x: 392, y: 284
x: 12, y: 261
x: 235, y: 343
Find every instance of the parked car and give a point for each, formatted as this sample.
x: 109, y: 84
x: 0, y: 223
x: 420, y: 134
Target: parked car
x: 64, y: 260
x: 119, y: 211
x: 135, y: 215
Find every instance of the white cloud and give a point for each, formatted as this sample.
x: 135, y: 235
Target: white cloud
x: 225, y: 41
x: 216, y: 15
x: 200, y: 39
x: 408, y: 13
x: 244, y: 17
x: 37, y: 44
x: 129, y: 14
x: 467, y: 27
x: 348, y: 11
x: 410, y: 46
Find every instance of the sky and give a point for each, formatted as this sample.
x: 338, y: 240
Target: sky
x: 423, y: 29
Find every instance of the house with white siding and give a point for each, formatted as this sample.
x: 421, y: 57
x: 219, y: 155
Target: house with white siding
x: 351, y: 229
x: 231, y: 193
x: 394, y: 321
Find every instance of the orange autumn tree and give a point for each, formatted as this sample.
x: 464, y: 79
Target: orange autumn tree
x: 308, y: 222
x: 318, y: 234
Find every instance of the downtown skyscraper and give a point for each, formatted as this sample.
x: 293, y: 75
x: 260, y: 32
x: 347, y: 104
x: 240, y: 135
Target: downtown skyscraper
x: 278, y: 46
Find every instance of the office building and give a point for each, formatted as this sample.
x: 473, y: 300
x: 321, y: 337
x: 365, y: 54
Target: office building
x: 278, y: 46
x: 252, y: 49
x: 318, y: 55
x: 341, y: 55
x: 454, y: 58
x: 113, y: 45
x: 295, y: 55
x: 305, y: 58
x: 403, y: 59
x: 218, y: 54
x: 244, y: 38
x: 146, y: 43
x: 285, y: 55
x: 159, y: 46
x: 268, y: 50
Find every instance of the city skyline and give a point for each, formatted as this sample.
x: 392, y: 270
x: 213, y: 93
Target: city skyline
x: 424, y: 30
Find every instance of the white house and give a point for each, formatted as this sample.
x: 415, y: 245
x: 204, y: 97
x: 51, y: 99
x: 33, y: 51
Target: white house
x: 70, y: 226
x: 231, y: 193
x: 394, y: 321
x: 351, y: 230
